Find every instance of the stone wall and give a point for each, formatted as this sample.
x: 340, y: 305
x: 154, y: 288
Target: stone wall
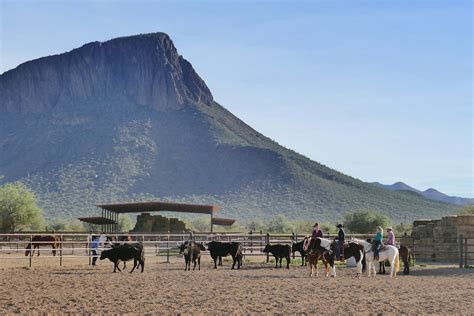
x: 438, y: 240
x: 147, y: 223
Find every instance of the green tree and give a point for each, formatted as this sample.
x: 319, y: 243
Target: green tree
x: 256, y: 225
x: 279, y: 224
x: 18, y: 209
x: 365, y: 221
x: 201, y: 224
x: 125, y: 224
x: 58, y: 225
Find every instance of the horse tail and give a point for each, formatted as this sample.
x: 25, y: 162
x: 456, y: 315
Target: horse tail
x: 397, y: 262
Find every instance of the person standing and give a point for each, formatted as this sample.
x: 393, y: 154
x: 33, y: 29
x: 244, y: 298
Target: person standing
x: 317, y: 231
x: 390, y: 237
x: 94, y: 245
x: 341, y: 236
x: 378, y: 242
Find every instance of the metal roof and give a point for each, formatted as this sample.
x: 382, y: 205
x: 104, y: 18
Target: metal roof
x: 97, y: 220
x: 154, y: 206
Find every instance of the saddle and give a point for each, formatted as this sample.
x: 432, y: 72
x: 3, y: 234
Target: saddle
x: 382, y: 246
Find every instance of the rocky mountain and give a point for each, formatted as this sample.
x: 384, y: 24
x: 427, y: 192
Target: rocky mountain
x: 129, y: 119
x: 430, y: 193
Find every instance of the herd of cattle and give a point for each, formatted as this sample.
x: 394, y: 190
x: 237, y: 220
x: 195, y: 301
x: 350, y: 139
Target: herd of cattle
x: 191, y: 252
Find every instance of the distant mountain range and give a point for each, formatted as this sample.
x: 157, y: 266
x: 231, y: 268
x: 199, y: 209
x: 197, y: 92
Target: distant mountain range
x: 430, y: 193
x: 130, y: 120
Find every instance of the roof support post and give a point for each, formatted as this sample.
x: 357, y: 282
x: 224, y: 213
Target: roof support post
x: 212, y: 225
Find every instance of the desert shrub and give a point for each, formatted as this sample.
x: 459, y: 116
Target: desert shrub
x: 467, y: 210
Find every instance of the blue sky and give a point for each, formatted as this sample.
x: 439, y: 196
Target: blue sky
x: 380, y: 90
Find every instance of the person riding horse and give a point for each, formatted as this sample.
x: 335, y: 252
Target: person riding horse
x: 390, y: 237
x: 341, y: 235
x: 316, y: 231
x: 378, y: 242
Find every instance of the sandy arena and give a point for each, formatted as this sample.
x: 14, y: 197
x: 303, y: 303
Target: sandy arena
x: 257, y: 288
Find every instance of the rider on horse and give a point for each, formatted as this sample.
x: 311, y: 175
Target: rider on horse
x: 390, y: 237
x: 378, y: 242
x: 316, y: 231
x: 341, y: 235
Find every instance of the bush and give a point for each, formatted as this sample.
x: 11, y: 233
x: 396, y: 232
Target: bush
x: 18, y: 209
x: 467, y: 210
x: 365, y: 221
x: 279, y: 224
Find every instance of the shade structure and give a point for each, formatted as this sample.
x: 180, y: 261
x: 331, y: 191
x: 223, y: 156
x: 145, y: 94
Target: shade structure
x: 111, y: 211
x: 97, y: 220
x: 154, y: 206
x: 223, y: 221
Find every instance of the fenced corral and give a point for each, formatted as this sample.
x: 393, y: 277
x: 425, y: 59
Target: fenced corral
x: 459, y: 251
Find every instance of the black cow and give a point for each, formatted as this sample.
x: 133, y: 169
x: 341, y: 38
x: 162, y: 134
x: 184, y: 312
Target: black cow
x: 192, y: 253
x: 298, y: 246
x: 125, y: 252
x: 279, y: 251
x: 219, y: 249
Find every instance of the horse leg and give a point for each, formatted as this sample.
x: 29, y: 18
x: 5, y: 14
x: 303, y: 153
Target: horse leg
x: 288, y: 260
x: 215, y: 262
x: 199, y: 263
x: 370, y: 268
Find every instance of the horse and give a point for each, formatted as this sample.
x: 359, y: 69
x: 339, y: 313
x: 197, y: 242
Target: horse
x: 298, y: 246
x: 37, y: 241
x: 313, y: 247
x: 388, y: 252
x: 355, y: 250
x: 405, y: 255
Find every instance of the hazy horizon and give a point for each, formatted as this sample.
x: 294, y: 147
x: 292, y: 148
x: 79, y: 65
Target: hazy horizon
x: 377, y: 90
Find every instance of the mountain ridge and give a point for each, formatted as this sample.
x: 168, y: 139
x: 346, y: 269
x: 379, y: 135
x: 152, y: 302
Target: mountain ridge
x: 429, y: 193
x: 130, y: 119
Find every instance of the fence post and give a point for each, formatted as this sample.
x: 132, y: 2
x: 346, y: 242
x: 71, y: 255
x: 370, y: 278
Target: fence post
x: 465, y: 253
x: 31, y: 249
x: 61, y: 250
x: 168, y: 249
x: 267, y: 241
x: 461, y: 251
x: 413, y: 251
x: 293, y: 238
x: 88, y: 250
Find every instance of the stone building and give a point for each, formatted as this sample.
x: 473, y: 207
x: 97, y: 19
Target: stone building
x: 438, y: 240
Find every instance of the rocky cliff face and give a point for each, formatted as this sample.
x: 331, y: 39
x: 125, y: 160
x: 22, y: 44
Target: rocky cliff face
x: 145, y: 70
x: 129, y: 119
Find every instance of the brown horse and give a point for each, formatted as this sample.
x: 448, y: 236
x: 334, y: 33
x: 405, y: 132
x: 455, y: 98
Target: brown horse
x: 37, y: 241
x: 405, y: 255
x: 314, y: 250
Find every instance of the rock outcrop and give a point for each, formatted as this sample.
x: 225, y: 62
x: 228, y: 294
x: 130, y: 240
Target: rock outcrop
x: 145, y: 70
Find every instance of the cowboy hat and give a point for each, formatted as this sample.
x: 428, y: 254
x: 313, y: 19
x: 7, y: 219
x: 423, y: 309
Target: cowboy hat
x: 389, y: 228
x: 339, y: 226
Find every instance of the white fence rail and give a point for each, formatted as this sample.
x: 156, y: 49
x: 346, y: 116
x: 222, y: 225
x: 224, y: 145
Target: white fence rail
x: 78, y: 245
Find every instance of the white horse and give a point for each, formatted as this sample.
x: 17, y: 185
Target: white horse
x: 389, y: 253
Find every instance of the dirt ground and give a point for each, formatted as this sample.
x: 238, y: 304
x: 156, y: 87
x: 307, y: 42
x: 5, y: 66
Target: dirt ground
x: 164, y: 288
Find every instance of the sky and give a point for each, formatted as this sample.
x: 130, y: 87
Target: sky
x: 379, y: 90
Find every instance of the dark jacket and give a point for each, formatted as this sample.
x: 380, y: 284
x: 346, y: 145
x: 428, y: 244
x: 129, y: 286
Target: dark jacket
x: 341, y: 235
x: 317, y: 233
